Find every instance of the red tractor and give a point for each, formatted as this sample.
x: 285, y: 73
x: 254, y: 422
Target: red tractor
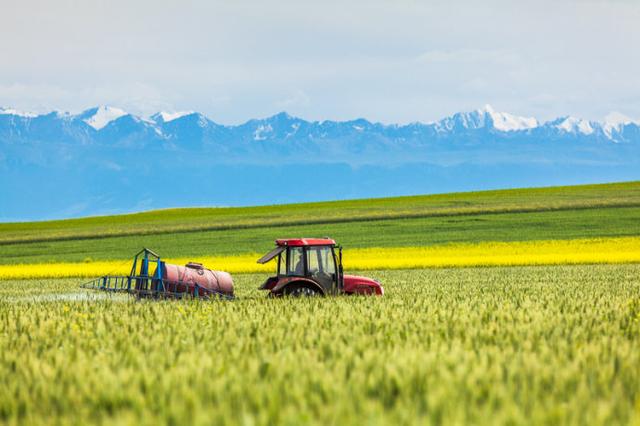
x: 313, y: 267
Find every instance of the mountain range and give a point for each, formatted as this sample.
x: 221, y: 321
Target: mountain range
x: 106, y: 160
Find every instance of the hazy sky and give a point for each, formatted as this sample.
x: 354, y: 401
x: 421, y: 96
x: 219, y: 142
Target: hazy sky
x: 389, y: 61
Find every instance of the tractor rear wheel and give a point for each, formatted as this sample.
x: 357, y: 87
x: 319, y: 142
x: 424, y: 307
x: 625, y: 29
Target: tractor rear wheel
x: 300, y: 291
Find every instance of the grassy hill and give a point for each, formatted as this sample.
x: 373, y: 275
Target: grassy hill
x: 608, y: 210
x: 198, y: 219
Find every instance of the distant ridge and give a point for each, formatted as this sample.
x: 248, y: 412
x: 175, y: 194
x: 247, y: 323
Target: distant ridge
x: 105, y: 160
x: 623, y: 195
x: 18, y: 125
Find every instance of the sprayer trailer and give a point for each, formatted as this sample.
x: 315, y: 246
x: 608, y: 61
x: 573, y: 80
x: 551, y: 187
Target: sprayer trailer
x: 167, y: 281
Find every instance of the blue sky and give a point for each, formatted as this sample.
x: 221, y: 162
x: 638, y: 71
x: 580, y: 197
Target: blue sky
x: 390, y: 61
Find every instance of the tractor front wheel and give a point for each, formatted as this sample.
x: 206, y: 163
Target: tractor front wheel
x: 300, y: 291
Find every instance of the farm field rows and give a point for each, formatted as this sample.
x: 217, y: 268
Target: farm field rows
x: 504, y: 343
x: 517, y: 345
x: 547, y: 225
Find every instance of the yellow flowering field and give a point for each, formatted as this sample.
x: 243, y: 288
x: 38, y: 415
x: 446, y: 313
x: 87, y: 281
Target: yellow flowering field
x: 520, y: 253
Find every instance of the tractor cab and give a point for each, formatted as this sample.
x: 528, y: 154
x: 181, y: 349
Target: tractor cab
x: 310, y: 267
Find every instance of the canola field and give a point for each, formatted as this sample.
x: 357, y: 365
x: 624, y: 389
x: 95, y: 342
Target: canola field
x: 522, y: 253
x: 492, y: 345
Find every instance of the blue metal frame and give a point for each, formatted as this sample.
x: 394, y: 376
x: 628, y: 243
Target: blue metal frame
x: 149, y: 286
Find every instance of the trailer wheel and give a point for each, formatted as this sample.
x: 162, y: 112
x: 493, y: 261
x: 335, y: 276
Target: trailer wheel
x: 300, y: 291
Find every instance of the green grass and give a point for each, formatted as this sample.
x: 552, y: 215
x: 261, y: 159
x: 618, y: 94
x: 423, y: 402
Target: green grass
x: 515, y: 215
x: 536, y: 345
x: 196, y: 219
x: 568, y: 224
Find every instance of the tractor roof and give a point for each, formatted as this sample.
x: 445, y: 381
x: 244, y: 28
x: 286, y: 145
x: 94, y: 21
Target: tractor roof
x: 296, y: 242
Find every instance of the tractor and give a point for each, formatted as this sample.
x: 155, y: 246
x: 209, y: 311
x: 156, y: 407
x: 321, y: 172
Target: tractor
x: 313, y: 267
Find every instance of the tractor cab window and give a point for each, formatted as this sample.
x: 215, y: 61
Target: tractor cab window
x: 320, y: 261
x: 282, y: 263
x: 295, y: 264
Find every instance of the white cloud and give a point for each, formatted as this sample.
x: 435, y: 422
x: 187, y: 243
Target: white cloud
x: 389, y: 61
x: 468, y: 56
x: 298, y: 99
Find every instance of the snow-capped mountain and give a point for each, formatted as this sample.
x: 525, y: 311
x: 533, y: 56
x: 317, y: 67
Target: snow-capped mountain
x: 506, y: 122
x: 486, y: 118
x: 615, y: 122
x: 102, y: 159
x: 165, y: 117
x: 576, y: 125
x: 100, y: 116
x: 16, y: 113
x: 182, y: 127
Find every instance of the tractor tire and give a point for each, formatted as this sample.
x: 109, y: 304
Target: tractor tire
x: 300, y: 291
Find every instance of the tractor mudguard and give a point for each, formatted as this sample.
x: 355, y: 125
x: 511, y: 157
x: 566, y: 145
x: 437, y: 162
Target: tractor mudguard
x: 296, y: 280
x: 269, y: 283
